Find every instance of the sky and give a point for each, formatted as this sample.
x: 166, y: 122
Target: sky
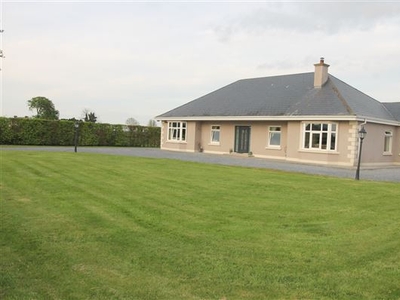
x: 138, y: 60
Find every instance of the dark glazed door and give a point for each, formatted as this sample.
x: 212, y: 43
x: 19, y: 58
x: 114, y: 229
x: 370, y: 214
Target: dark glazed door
x: 242, y: 139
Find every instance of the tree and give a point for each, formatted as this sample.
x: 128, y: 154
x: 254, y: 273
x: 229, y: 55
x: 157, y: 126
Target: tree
x: 44, y: 107
x: 131, y: 122
x: 89, y: 116
x: 152, y: 123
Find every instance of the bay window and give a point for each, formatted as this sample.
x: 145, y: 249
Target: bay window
x: 177, y: 131
x: 320, y: 136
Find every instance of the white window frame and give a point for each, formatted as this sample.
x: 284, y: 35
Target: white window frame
x: 316, y: 133
x: 177, y: 131
x: 271, y: 132
x: 388, y: 142
x: 214, y: 130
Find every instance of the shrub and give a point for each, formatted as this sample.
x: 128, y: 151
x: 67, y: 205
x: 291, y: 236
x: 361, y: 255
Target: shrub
x: 26, y: 131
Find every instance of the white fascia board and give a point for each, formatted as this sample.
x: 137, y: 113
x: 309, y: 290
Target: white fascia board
x: 378, y: 121
x: 283, y: 118
x: 261, y: 118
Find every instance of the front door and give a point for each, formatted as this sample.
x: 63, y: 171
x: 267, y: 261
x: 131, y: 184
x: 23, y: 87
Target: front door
x: 242, y: 139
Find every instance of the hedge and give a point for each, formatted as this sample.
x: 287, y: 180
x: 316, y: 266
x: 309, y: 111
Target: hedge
x: 26, y: 131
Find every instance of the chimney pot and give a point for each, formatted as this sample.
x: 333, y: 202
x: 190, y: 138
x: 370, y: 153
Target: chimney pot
x: 321, y: 60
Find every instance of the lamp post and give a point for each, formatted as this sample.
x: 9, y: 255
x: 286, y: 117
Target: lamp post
x: 361, y: 134
x: 76, y: 135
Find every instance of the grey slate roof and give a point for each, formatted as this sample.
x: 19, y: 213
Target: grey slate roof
x: 394, y: 108
x: 286, y: 95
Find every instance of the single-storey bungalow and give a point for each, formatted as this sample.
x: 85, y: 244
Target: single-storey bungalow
x: 308, y: 117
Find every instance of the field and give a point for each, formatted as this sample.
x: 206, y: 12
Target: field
x: 86, y: 226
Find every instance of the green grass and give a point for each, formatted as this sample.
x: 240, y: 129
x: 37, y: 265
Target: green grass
x: 85, y: 226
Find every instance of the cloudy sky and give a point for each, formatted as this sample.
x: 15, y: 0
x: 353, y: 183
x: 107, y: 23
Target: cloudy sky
x: 141, y: 59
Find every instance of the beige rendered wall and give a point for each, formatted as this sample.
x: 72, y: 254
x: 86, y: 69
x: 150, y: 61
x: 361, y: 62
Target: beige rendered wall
x: 258, y: 138
x: 344, y: 155
x: 199, y: 136
x: 291, y: 142
x: 227, y: 136
x: 192, y: 138
x: 396, y: 146
x: 373, y: 145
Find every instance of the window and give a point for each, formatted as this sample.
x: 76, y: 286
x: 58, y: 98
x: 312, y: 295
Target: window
x: 215, y: 134
x: 177, y: 131
x: 274, y: 136
x: 387, y: 147
x: 320, y: 136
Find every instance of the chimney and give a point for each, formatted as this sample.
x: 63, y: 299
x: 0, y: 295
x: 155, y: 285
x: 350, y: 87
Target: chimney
x: 321, y: 73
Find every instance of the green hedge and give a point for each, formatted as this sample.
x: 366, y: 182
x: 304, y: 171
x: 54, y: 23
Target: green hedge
x: 25, y: 131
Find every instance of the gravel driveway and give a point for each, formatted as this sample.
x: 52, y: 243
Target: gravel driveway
x: 378, y: 174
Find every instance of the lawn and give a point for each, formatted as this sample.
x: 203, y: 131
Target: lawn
x: 89, y: 226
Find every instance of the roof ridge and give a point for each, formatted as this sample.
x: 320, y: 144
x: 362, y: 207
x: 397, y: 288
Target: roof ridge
x: 341, y: 98
x: 383, y: 104
x: 355, y: 89
x: 377, y: 101
x: 275, y: 76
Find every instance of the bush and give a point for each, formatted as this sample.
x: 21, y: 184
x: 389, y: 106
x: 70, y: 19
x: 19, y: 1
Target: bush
x: 25, y: 131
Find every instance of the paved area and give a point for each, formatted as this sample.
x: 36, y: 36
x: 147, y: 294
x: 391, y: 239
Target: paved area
x: 378, y: 174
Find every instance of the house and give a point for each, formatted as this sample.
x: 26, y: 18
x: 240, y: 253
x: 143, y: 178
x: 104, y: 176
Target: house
x: 308, y: 117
